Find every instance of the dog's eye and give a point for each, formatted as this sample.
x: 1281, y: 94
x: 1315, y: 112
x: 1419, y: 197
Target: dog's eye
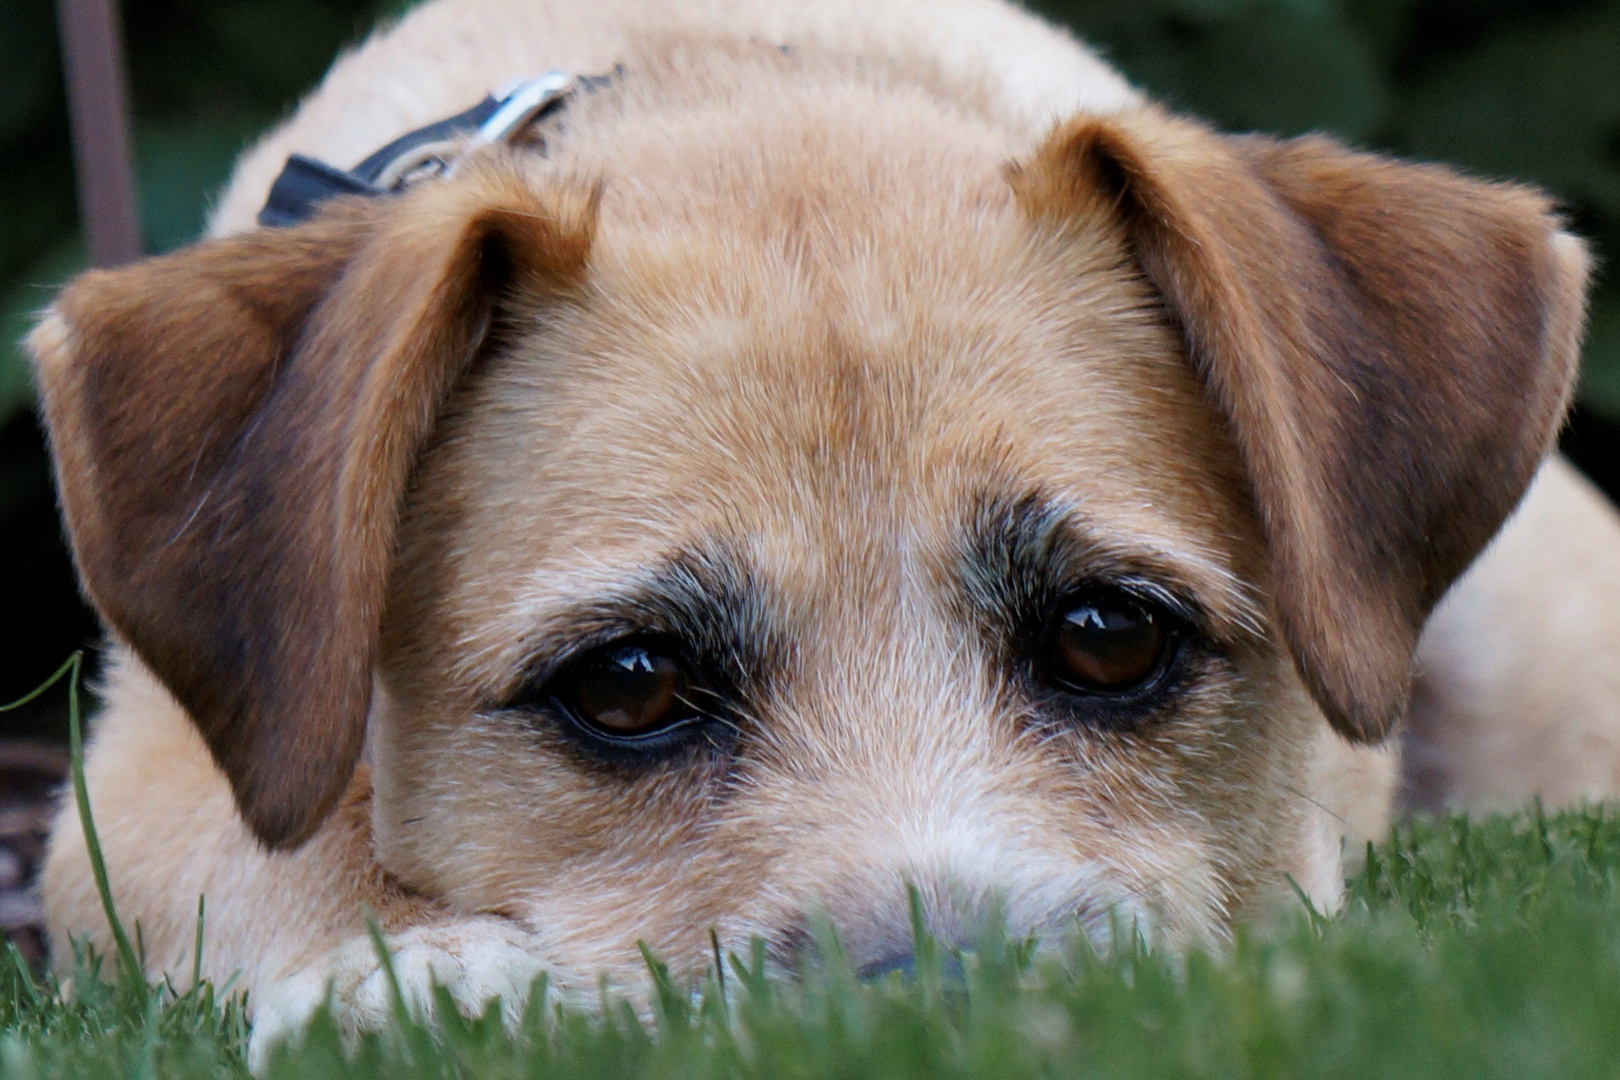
x: 628, y: 689
x: 1110, y: 643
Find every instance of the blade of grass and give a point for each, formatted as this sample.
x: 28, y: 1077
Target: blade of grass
x: 1318, y: 920
x: 81, y: 799
x: 719, y: 963
x: 25, y: 978
x: 196, y: 949
x: 386, y: 960
x: 151, y: 1038
x: 415, y: 1035
x: 70, y: 664
x: 92, y: 842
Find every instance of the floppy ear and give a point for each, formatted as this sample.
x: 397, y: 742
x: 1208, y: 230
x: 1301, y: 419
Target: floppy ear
x: 1393, y: 346
x: 233, y: 428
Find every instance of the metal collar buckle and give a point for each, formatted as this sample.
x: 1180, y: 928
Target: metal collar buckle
x: 434, y: 150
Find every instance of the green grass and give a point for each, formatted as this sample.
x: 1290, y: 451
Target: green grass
x: 1467, y: 949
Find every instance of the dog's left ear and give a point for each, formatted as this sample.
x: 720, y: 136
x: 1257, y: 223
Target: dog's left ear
x: 1393, y: 346
x: 234, y: 426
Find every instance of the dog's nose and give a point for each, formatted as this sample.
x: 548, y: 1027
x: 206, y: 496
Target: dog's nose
x: 797, y: 947
x: 905, y: 962
x: 875, y: 931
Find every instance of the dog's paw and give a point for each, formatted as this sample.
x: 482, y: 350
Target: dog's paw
x: 476, y: 960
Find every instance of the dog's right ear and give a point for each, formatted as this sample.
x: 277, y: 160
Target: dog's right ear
x: 233, y: 428
x: 1392, y: 346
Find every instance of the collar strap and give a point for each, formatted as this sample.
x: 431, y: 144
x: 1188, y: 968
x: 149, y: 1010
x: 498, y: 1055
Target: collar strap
x: 434, y: 150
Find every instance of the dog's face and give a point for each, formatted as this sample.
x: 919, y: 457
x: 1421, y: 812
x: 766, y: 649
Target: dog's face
x: 1002, y: 533
x: 915, y: 558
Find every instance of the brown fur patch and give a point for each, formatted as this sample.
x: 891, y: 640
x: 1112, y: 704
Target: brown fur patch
x: 1392, y: 344
x: 234, y: 426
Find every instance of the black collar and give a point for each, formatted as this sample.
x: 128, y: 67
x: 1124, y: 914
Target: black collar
x: 433, y: 150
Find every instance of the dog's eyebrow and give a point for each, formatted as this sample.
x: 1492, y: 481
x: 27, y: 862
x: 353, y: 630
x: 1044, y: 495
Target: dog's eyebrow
x: 707, y: 598
x: 1021, y: 555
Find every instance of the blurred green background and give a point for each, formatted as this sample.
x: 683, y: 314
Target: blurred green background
x: 1523, y: 89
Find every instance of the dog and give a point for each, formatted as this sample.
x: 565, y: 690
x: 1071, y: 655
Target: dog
x: 850, y: 448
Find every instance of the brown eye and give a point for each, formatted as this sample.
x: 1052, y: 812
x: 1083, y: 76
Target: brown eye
x: 628, y: 690
x: 1109, y: 645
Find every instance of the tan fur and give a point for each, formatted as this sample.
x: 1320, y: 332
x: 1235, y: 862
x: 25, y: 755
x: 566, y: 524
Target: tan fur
x: 822, y: 318
x: 1519, y: 668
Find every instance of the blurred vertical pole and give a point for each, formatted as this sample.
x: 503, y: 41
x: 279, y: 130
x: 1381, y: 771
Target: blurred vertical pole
x: 93, y: 55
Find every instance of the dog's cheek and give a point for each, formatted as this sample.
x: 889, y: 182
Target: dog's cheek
x: 1202, y: 812
x: 491, y: 812
x: 1258, y: 787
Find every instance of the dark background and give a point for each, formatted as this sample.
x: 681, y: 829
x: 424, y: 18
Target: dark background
x: 1521, y: 89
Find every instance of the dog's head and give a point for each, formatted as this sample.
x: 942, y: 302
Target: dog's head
x: 806, y: 516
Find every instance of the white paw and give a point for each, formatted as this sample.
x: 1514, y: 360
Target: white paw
x: 476, y: 960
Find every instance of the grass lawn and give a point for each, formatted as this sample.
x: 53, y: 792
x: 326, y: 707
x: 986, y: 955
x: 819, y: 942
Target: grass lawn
x: 1467, y: 949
